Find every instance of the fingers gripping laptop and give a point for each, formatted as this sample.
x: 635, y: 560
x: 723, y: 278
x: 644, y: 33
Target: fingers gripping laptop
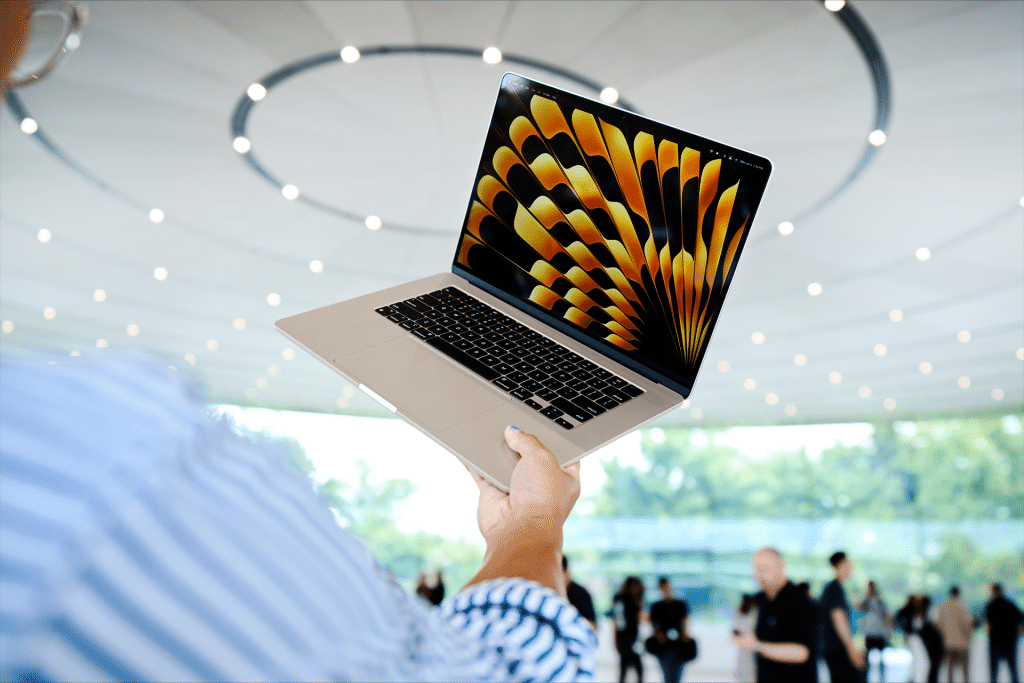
x: 591, y: 268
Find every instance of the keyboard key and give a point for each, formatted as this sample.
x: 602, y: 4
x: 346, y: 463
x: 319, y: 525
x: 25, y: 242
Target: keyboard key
x: 457, y: 329
x: 591, y: 393
x: 601, y: 373
x: 566, y: 366
x: 551, y: 412
x: 522, y: 366
x: 588, y: 366
x: 438, y: 329
x: 573, y: 357
x: 633, y: 391
x: 561, y: 376
x: 565, y: 424
x: 519, y: 352
x: 617, y: 382
x: 408, y: 325
x: 476, y: 353
x: 408, y: 311
x: 533, y: 404
x: 505, y: 384
x: 588, y: 405
x: 428, y: 300
x: 581, y: 374
x: 566, y: 392
x: 484, y: 344
x: 617, y: 395
x: 461, y: 356
x: 517, y: 377
x: 470, y: 336
x: 449, y: 337
x: 547, y: 368
x: 537, y: 375
x: 520, y: 393
x: 532, y: 385
x: 606, y: 402
x: 597, y: 383
x: 416, y: 305
x: 576, y: 384
x: 423, y: 333
x: 503, y: 368
x: 463, y: 345
x: 439, y: 294
x: 385, y: 310
x: 546, y: 394
x: 434, y: 315
x: 571, y: 409
x: 487, y: 360
x: 552, y: 383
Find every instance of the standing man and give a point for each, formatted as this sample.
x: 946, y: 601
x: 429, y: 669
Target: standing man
x: 670, y: 619
x: 956, y: 624
x: 1003, y: 621
x: 846, y: 662
x: 578, y: 596
x: 783, y: 640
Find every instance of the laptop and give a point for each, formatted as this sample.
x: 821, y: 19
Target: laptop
x: 592, y: 266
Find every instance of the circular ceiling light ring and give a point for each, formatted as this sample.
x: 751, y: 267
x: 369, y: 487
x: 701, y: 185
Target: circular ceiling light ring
x: 240, y: 115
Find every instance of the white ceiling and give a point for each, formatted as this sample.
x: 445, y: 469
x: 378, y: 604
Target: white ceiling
x: 144, y: 105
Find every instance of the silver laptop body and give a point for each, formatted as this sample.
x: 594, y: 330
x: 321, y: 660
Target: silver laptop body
x: 591, y: 268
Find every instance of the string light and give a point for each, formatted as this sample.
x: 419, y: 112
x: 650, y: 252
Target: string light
x: 895, y: 315
x: 790, y: 410
x: 274, y: 299
x: 923, y: 254
x: 133, y: 330
x: 212, y: 345
x: 29, y: 125
x: 964, y: 336
x: 997, y: 394
x: 373, y: 223
x: 156, y: 215
x: 160, y: 273
x: 256, y: 92
x: 925, y: 368
x: 261, y: 382
x: 880, y: 350
x: 814, y: 289
x: 190, y: 358
x: 44, y: 235
x: 757, y: 338
x: 101, y: 343
x: 316, y: 266
x: 785, y: 228
x: 288, y: 354
x: 241, y: 144
x: 49, y: 313
x: 274, y: 371
x: 864, y: 392
x: 723, y: 366
x: 889, y: 404
x: 800, y: 359
x: 290, y: 192
x: 835, y: 5
x: 877, y: 138
x: 964, y: 382
x: 609, y: 95
x: 239, y: 324
x: 492, y: 55
x: 771, y: 399
x: 835, y: 377
x: 696, y: 413
x: 99, y: 295
x: 749, y: 384
x: 349, y: 54
x: 8, y: 326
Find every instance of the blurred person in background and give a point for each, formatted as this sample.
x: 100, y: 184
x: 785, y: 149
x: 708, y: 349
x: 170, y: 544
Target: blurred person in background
x: 876, y: 625
x: 923, y: 639
x: 1004, y: 623
x: 670, y: 618
x: 932, y: 639
x: 743, y: 622
x: 628, y: 611
x: 846, y: 662
x: 579, y: 597
x: 783, y: 640
x: 956, y: 624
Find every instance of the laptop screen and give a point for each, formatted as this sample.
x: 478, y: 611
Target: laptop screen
x: 621, y: 232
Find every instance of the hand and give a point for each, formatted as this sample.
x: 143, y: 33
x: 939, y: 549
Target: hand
x: 541, y: 493
x: 746, y: 641
x: 858, y: 658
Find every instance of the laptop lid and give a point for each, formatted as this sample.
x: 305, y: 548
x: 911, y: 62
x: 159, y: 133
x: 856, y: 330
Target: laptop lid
x: 619, y: 231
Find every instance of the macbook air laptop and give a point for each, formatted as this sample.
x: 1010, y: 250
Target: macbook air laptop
x: 592, y: 265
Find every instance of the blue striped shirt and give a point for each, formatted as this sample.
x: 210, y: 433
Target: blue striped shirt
x: 142, y: 539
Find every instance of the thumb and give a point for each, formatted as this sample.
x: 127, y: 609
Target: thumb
x: 526, y: 444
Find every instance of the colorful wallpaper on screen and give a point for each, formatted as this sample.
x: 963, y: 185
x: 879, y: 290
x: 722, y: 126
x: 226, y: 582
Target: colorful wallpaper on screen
x: 626, y: 236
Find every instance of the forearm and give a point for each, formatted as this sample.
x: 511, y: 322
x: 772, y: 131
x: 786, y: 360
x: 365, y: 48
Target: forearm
x: 528, y: 551
x: 787, y: 653
x: 843, y: 629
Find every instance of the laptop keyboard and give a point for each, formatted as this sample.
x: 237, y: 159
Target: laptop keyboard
x: 561, y: 385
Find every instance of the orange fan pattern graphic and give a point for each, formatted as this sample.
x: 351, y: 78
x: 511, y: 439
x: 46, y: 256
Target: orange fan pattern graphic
x: 633, y: 241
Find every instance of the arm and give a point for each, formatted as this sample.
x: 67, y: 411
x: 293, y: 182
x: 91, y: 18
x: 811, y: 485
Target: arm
x: 843, y: 629
x: 522, y: 529
x: 787, y: 653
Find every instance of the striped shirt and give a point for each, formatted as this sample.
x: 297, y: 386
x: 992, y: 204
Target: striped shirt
x: 142, y: 539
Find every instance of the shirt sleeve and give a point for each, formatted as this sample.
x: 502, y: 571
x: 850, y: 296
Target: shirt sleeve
x: 526, y: 631
x: 143, y: 539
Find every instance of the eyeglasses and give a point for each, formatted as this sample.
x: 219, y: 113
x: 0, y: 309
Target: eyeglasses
x: 55, y: 32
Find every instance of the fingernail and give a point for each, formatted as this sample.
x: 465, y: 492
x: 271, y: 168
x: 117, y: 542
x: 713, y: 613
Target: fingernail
x: 514, y: 427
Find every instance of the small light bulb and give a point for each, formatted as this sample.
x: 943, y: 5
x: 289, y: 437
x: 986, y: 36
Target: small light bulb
x: 212, y: 345
x: 864, y: 392
x: 877, y: 138
x: 288, y: 354
x: 44, y: 235
x: 749, y: 384
x: 290, y: 192
x: 492, y: 55
x: 373, y: 223
x: 771, y: 399
x: 723, y: 366
x: 800, y: 359
x: 73, y: 41
x: 997, y: 394
x: 160, y: 273
x: 29, y: 125
x: 696, y: 413
x: 8, y: 326
x: 834, y: 5
x: 241, y: 144
x: 101, y: 343
x: 256, y: 92
x: 895, y: 315
x: 274, y: 370
x: 923, y: 254
x: 757, y: 338
x: 880, y: 350
x: 261, y: 382
x: 316, y: 266
x: 49, y: 313
x: 964, y: 336
x: 274, y: 299
x: 964, y: 382
x: 889, y: 403
x: 925, y: 368
x: 239, y: 324
x: 99, y: 295
x: 76, y: 354
x: 609, y: 95
x: 349, y: 54
x: 814, y: 289
x: 156, y: 215
x: 190, y: 358
x: 835, y: 377
x: 133, y: 330
x: 790, y: 410
x: 342, y: 402
x: 785, y: 228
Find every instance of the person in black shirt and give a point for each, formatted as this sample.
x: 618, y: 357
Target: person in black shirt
x: 1003, y: 621
x: 627, y: 607
x: 578, y: 596
x: 846, y: 662
x: 784, y: 636
x: 670, y: 619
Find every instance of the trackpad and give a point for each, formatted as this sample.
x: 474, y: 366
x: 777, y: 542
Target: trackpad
x: 430, y: 390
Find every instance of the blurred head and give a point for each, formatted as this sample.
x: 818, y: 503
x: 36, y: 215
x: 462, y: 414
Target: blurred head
x: 666, y: 587
x: 747, y: 603
x: 842, y: 565
x: 997, y: 590
x: 872, y: 589
x: 954, y: 592
x: 770, y: 570
x: 14, y: 32
x: 805, y: 588
x: 633, y: 588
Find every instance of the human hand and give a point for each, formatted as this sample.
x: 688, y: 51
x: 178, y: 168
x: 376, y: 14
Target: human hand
x: 541, y: 493
x: 745, y: 641
x: 858, y: 658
